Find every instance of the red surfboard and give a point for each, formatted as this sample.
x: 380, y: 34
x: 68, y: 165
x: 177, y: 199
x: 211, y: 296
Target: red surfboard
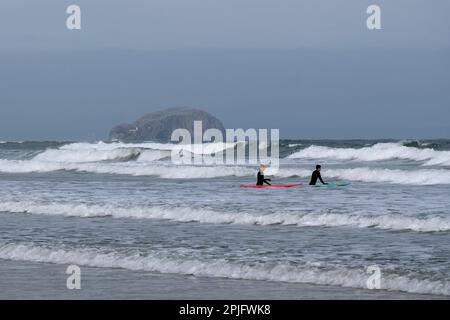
x: 285, y: 185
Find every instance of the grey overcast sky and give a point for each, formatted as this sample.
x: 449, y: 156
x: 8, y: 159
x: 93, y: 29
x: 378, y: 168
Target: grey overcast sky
x: 308, y: 67
x: 169, y: 24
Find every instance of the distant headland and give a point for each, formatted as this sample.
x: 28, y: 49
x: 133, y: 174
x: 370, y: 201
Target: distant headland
x: 158, y: 126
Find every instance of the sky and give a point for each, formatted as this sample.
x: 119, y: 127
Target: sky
x: 309, y: 68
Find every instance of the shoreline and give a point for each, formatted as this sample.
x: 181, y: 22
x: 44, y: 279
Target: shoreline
x: 33, y: 280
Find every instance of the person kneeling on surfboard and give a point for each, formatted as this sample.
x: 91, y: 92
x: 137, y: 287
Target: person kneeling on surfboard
x: 260, y: 177
x: 316, y: 175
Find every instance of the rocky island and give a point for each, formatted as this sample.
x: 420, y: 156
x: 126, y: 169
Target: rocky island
x: 158, y: 126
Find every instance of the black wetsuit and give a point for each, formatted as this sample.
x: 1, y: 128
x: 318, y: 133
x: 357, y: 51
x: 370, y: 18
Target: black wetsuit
x: 261, y: 180
x: 316, y: 175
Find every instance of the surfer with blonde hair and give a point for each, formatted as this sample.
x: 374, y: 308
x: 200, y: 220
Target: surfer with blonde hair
x: 260, y: 176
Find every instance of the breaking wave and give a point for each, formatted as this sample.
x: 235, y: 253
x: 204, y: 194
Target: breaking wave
x: 127, y: 168
x: 186, y: 214
x: 145, y: 160
x: 393, y: 176
x: 377, y: 152
x: 169, y: 171
x: 219, y: 268
x: 87, y: 155
x: 95, y: 152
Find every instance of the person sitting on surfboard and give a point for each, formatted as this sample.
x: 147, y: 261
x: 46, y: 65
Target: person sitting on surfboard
x: 316, y: 175
x: 260, y: 176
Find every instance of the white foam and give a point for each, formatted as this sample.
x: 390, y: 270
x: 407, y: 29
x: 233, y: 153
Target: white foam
x: 156, y: 262
x: 186, y: 214
x: 143, y: 152
x: 205, y: 148
x: 28, y: 166
x: 128, y: 168
x: 377, y: 152
x: 364, y: 174
x: 87, y: 155
x: 170, y: 171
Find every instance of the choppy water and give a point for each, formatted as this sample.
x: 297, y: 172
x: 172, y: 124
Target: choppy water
x: 128, y: 206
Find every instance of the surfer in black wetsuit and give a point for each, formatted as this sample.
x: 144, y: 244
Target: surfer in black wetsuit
x: 316, y: 175
x: 260, y: 177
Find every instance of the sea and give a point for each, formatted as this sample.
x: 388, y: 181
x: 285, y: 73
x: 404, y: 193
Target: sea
x: 137, y: 225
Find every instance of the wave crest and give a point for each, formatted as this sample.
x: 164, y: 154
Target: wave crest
x: 392, y: 176
x: 153, y: 262
x: 377, y: 152
x: 186, y: 214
